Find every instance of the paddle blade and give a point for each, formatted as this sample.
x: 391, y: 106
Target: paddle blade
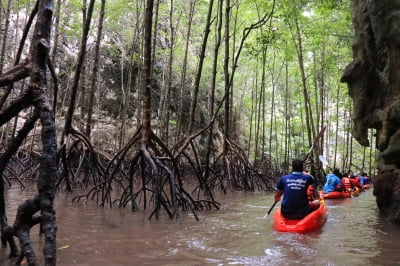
x: 323, y: 160
x: 270, y: 209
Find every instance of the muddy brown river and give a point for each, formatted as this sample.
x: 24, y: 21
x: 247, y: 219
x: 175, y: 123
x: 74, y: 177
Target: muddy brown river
x: 355, y: 234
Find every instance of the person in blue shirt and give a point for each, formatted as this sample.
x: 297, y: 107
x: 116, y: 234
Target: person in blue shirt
x: 364, y: 181
x: 361, y: 179
x: 293, y: 187
x: 333, y: 182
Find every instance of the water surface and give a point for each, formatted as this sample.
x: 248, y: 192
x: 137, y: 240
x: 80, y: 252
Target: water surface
x: 355, y: 234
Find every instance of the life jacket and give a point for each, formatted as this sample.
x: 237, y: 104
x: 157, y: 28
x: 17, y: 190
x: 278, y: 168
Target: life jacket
x: 354, y: 182
x: 310, y: 193
x: 347, y: 183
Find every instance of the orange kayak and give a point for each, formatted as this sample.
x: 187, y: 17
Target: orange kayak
x: 312, y: 221
x: 334, y: 195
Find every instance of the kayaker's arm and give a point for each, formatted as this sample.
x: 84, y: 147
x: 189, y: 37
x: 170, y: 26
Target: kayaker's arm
x: 278, y: 195
x: 339, y: 186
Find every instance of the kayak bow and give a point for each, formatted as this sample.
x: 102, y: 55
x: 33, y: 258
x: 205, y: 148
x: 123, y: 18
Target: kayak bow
x: 312, y: 221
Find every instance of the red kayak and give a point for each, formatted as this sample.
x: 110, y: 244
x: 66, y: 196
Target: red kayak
x: 334, y: 195
x: 312, y: 221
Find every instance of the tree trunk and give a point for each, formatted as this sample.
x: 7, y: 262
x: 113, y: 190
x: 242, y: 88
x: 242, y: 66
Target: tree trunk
x: 287, y: 116
x: 5, y: 36
x: 347, y: 154
x: 146, y: 87
x: 2, y: 53
x: 226, y: 76
x: 211, y: 92
x: 260, y: 102
x: 78, y: 71
x: 36, y: 95
x: 125, y: 94
x: 192, y: 4
x: 336, y: 127
x: 252, y: 111
x: 263, y: 101
x: 195, y: 93
x: 95, y: 71
x: 53, y: 93
x: 351, y: 149
x: 165, y: 103
x: 155, y: 33
x: 307, y: 108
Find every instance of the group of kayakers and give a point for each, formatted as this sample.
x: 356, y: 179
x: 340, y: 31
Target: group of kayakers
x: 299, y: 194
x: 336, y: 181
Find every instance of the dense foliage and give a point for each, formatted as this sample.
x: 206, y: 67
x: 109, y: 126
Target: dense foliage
x: 159, y: 103
x: 285, y: 84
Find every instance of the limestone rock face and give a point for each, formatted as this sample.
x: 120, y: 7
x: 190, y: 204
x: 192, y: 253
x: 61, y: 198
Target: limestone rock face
x: 373, y: 78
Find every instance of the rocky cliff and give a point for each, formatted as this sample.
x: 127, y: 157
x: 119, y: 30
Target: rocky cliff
x: 373, y: 78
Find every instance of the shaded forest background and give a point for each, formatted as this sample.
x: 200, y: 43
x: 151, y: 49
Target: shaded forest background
x: 157, y: 107
x: 258, y: 76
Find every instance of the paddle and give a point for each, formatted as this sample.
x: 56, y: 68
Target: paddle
x: 270, y: 209
x: 317, y: 138
x: 324, y: 161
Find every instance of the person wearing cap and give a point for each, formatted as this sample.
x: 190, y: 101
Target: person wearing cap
x: 333, y: 182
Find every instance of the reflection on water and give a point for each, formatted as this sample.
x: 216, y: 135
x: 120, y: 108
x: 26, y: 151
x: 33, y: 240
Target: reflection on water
x: 354, y: 234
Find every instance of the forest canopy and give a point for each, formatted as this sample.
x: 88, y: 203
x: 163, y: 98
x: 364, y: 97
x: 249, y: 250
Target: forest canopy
x: 150, y: 95
x: 263, y: 75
